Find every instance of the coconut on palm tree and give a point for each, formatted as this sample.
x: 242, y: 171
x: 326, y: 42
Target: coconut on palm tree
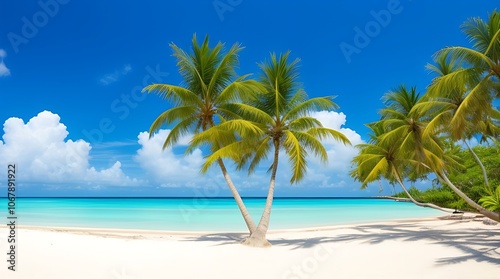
x: 210, y: 86
x: 277, y: 119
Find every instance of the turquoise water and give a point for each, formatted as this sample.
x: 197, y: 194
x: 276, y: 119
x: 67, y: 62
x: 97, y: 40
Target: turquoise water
x: 205, y: 214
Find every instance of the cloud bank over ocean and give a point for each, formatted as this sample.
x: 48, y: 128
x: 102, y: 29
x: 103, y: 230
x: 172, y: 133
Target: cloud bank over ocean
x: 46, y: 156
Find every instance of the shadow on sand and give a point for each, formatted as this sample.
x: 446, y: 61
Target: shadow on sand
x: 481, y: 245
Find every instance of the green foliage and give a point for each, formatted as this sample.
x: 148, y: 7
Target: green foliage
x: 467, y: 81
x: 469, y: 180
x: 492, y: 201
x: 210, y: 87
x: 414, y: 192
x: 277, y: 117
x: 397, y: 149
x: 471, y: 177
x: 440, y: 196
x: 459, y: 105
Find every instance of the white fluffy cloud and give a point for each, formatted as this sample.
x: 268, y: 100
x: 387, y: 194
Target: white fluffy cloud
x: 339, y: 155
x: 164, y: 166
x: 42, y: 154
x: 336, y: 172
x: 4, y: 71
x: 173, y: 169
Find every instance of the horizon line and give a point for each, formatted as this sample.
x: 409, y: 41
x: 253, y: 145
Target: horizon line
x: 191, y: 197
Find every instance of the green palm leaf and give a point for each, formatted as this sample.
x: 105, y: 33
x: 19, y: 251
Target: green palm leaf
x: 296, y: 154
x: 305, y: 107
x: 492, y: 202
x: 172, y: 115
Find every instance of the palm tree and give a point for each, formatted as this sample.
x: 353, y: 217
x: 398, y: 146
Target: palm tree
x: 210, y: 86
x: 379, y: 159
x: 445, y: 106
x: 279, y: 118
x: 404, y: 123
x: 479, y: 74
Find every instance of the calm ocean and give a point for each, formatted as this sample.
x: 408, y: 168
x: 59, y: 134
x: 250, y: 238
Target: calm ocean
x: 205, y: 214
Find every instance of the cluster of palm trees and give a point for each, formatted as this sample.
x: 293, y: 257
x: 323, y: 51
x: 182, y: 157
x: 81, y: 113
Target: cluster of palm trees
x: 249, y: 121
x: 242, y: 119
x: 416, y: 134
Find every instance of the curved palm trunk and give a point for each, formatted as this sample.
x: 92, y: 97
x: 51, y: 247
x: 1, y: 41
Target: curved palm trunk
x: 480, y: 209
x: 480, y: 164
x: 430, y: 205
x: 244, y: 212
x: 258, y: 237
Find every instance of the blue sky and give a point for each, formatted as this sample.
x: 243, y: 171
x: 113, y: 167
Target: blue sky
x: 71, y: 72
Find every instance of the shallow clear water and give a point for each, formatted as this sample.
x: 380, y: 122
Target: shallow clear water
x: 205, y: 214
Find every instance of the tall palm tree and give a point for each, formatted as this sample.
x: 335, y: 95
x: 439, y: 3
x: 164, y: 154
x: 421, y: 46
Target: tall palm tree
x: 479, y: 74
x: 279, y: 118
x: 210, y: 86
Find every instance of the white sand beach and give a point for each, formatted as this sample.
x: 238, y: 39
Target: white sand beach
x: 425, y: 248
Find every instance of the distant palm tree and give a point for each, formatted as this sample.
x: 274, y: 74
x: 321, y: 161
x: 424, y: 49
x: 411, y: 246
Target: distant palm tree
x: 210, y: 86
x: 279, y: 118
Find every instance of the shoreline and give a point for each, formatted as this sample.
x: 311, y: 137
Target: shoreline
x: 97, y: 230
x: 436, y: 247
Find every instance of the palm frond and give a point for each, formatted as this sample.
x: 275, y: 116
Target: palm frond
x: 172, y: 115
x: 297, y: 156
x: 473, y: 105
x: 217, y: 134
x: 181, y: 129
x: 261, y: 152
x: 304, y: 123
x: 492, y: 201
x: 314, y: 104
x: 250, y: 113
x: 312, y: 143
x: 234, y: 151
x: 237, y: 90
x: 324, y: 133
x: 177, y: 94
x: 225, y: 70
x: 466, y: 55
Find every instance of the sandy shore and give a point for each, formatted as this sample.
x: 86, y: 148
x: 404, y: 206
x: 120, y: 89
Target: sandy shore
x: 426, y: 248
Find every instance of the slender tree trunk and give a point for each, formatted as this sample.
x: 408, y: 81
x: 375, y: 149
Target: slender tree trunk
x: 258, y: 237
x: 244, y: 212
x: 485, y: 175
x: 492, y: 215
x: 415, y: 201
